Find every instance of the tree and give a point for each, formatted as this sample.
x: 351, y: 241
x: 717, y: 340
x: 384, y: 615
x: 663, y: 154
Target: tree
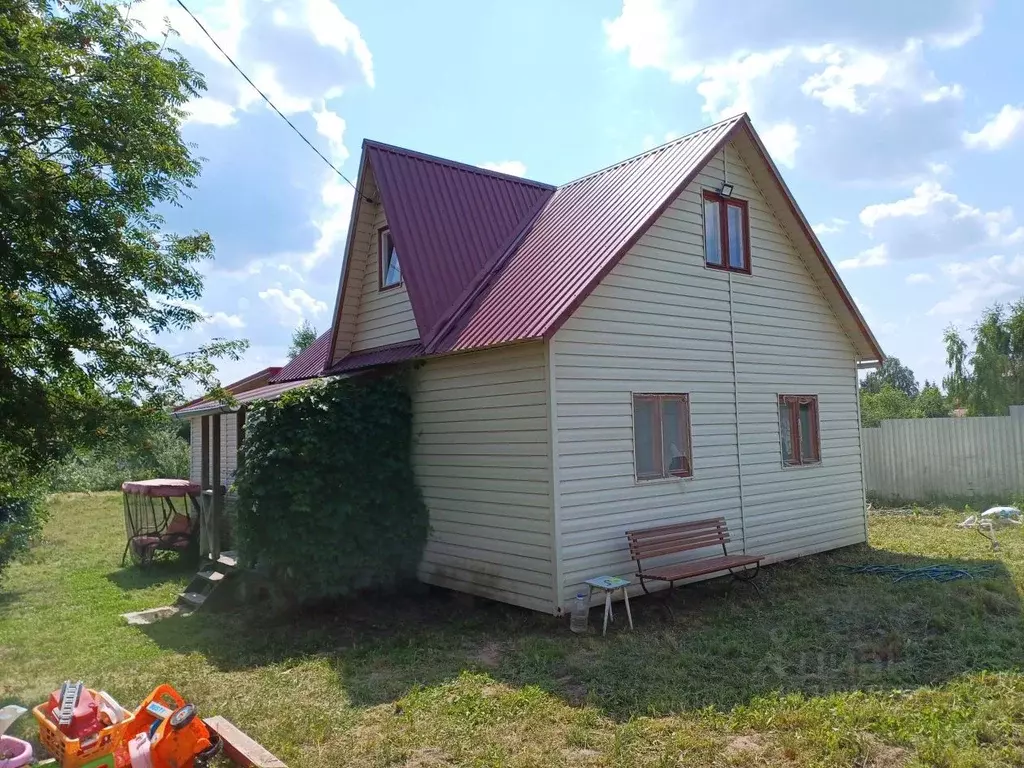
x: 90, y: 148
x: 989, y: 378
x: 893, y: 373
x: 302, y: 337
x: 930, y: 403
x: 888, y: 403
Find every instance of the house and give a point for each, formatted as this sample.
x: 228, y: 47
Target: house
x: 664, y: 339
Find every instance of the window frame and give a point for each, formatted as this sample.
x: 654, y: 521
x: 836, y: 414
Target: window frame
x: 723, y: 235
x: 685, y: 434
x: 795, y: 459
x: 382, y: 233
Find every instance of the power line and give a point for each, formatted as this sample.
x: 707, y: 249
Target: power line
x: 267, y: 99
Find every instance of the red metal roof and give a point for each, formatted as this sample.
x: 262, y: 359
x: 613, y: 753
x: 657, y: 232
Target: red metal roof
x: 490, y: 259
x: 580, y: 234
x: 310, y: 362
x: 253, y: 380
x: 449, y: 221
x: 269, y: 392
x: 395, y: 353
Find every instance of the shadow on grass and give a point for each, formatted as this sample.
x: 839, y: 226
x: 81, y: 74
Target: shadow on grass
x: 817, y: 629
x: 160, y: 571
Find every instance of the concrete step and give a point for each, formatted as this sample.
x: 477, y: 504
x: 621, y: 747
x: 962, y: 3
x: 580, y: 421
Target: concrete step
x: 213, y: 576
x: 194, y: 599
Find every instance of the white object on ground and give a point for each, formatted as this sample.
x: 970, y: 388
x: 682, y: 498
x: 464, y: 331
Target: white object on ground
x: 8, y: 715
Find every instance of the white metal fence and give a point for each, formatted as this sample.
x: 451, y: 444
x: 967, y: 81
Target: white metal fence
x: 922, y: 459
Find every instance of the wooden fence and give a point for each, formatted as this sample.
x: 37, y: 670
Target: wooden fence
x: 934, y: 459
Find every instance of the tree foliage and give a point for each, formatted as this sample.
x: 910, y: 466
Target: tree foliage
x: 161, y: 452
x: 887, y: 403
x: 89, y: 150
x: 893, y: 373
x: 302, y: 337
x: 330, y: 466
x: 989, y: 377
x: 930, y: 403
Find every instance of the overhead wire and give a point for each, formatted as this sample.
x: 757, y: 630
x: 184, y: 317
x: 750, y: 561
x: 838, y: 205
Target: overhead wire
x: 270, y: 103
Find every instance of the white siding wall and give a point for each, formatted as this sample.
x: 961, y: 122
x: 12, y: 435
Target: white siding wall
x: 385, y: 317
x: 482, y: 461
x: 228, y: 447
x: 195, y: 473
x: 661, y: 322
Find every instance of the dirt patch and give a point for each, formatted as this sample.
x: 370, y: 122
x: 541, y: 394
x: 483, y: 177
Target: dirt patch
x: 875, y: 753
x: 581, y: 756
x: 428, y: 757
x: 488, y: 655
x: 744, y: 745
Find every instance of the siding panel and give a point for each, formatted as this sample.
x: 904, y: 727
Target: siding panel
x: 482, y: 461
x: 384, y: 317
x: 661, y: 322
x: 195, y: 449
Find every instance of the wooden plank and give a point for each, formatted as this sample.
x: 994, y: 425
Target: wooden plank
x: 239, y: 747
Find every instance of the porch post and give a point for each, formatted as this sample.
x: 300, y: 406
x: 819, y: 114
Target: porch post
x: 204, y: 446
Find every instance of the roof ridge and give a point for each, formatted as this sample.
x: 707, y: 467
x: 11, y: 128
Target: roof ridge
x: 457, y: 164
x: 659, y: 148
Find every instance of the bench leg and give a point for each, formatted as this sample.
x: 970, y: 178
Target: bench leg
x: 748, y: 576
x: 643, y: 584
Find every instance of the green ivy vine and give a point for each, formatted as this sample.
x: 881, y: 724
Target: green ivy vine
x: 327, y: 499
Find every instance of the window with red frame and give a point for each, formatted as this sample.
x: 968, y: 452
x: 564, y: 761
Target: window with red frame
x: 661, y: 436
x: 798, y: 428
x: 726, y: 233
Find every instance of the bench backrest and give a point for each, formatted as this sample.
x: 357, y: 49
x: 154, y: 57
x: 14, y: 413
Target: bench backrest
x: 681, y: 537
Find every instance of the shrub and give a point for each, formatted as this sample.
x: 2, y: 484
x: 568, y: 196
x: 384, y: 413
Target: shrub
x: 327, y: 500
x: 161, y: 452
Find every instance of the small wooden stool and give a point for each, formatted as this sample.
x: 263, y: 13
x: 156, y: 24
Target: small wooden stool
x: 608, y: 585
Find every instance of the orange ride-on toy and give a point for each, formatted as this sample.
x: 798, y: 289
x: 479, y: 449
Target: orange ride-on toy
x: 170, y: 736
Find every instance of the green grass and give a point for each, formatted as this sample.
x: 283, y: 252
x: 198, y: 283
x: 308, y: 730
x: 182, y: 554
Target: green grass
x: 827, y: 668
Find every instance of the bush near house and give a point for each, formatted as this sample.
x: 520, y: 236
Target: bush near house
x: 327, y: 499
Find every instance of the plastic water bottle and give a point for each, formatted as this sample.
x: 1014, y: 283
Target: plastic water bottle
x: 578, y: 621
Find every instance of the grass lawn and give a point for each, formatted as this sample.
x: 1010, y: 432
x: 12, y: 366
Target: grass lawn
x: 827, y: 668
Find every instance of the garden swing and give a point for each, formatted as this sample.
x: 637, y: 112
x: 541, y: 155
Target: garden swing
x: 159, y: 516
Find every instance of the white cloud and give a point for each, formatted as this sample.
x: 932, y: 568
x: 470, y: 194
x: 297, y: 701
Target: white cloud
x: 877, y: 256
x: 979, y: 283
x: 918, y: 277
x: 997, y: 132
x: 511, y: 167
x: 935, y: 222
x: 297, y: 51
x: 210, y: 111
x: 223, y: 318
x: 331, y: 126
x: 850, y: 82
x: 216, y: 318
x: 293, y: 307
x: 830, y: 227
x: 782, y: 143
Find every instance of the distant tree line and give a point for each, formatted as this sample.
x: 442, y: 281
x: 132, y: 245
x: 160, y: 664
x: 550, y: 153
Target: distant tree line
x: 986, y: 374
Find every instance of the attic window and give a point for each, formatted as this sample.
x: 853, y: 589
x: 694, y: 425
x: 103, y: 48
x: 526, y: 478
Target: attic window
x: 390, y: 270
x: 726, y: 233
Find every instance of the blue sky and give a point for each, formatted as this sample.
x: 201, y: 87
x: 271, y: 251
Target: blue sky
x: 899, y: 127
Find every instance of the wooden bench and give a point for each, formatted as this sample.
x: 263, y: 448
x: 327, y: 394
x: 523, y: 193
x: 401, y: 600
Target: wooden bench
x: 685, y: 537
